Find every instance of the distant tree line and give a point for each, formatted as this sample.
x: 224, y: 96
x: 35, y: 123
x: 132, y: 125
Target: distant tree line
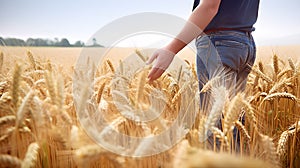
x: 45, y: 42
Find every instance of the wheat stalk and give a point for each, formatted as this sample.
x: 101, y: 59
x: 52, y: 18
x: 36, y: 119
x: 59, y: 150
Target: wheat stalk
x: 140, y: 90
x: 179, y: 74
x: 121, y: 65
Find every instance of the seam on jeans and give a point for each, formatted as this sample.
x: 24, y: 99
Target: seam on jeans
x: 208, y: 54
x: 233, y: 44
x: 251, y: 54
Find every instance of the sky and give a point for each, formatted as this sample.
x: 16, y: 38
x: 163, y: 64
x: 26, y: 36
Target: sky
x: 278, y: 22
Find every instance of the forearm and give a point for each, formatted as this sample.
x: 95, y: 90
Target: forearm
x: 196, y: 23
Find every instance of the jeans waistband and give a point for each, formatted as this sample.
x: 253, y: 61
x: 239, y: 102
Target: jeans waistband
x: 225, y: 31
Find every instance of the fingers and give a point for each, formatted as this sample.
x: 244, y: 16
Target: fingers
x: 152, y: 58
x: 155, y: 73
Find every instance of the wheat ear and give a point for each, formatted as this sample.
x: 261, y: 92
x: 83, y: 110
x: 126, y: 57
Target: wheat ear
x: 282, y: 144
x: 31, y: 59
x: 292, y: 65
x: 100, y: 91
x: 243, y: 130
x: 16, y: 85
x: 60, y: 96
x: 179, y: 74
x: 88, y: 151
x: 24, y: 108
x: 283, y: 72
x: 51, y: 86
x: 277, y: 86
x: 261, y: 67
x: 219, y: 95
x: 210, y: 84
x: 233, y: 112
x: 31, y: 156
x: 1, y: 60
x: 270, y: 150
x: 48, y: 66
x: 262, y: 75
x: 110, y: 65
x: 7, y: 119
x: 9, y: 161
x: 275, y: 64
x: 140, y: 55
x: 222, y: 137
x: 280, y: 95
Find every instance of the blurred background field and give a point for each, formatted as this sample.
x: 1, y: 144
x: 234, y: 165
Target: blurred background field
x: 68, y: 56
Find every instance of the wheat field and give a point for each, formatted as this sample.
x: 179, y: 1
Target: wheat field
x: 40, y: 126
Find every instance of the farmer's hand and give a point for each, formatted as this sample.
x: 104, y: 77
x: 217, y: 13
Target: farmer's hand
x: 163, y: 58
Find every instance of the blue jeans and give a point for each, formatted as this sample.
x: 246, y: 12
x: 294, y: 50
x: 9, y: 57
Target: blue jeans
x: 229, y: 55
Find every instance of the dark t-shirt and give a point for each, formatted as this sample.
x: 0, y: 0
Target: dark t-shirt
x: 234, y: 14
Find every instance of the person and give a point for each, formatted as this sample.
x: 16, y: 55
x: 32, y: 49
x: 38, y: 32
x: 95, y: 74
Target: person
x: 222, y: 29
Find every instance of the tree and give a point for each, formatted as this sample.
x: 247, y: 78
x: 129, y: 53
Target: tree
x: 64, y: 43
x: 1, y: 41
x: 30, y: 42
x: 14, y: 42
x: 78, y: 44
x: 95, y: 44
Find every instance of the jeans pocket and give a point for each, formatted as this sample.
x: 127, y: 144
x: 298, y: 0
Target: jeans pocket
x: 203, y: 42
x: 233, y: 54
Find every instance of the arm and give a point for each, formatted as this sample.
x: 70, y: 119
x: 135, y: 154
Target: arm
x: 197, y: 22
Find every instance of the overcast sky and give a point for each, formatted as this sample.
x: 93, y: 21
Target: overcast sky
x: 80, y: 19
